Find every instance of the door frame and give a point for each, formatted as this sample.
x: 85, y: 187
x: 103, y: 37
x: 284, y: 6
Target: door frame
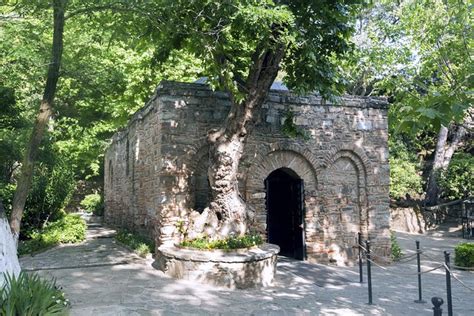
x: 298, y: 214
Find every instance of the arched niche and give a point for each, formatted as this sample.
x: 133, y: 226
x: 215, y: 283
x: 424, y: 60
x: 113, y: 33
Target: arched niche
x: 344, y: 187
x: 262, y: 166
x: 200, y: 191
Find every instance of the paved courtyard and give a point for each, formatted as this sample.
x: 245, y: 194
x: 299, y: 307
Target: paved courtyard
x: 103, y: 278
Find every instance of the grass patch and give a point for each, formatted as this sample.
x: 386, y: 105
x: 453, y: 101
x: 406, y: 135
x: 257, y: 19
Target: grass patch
x: 228, y: 243
x: 28, y: 294
x: 139, y: 244
x: 69, y: 229
x: 464, y: 255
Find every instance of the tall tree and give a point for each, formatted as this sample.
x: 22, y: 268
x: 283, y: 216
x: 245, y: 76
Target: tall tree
x: 418, y: 52
x: 62, y: 10
x: 440, y: 95
x: 45, y: 111
x: 244, y: 45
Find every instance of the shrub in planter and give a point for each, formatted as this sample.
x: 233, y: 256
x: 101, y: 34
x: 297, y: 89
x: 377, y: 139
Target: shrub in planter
x: 28, y: 294
x: 229, y: 243
x: 464, y: 255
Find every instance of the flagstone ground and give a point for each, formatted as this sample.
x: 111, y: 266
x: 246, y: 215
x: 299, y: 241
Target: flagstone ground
x: 102, y: 278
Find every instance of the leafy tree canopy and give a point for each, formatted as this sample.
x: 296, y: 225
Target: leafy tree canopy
x: 229, y: 35
x: 107, y: 73
x: 418, y: 52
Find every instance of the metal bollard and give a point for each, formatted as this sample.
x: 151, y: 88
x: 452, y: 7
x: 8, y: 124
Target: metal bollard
x: 359, y: 241
x: 437, y: 302
x: 369, y: 272
x: 448, y: 284
x: 420, y: 299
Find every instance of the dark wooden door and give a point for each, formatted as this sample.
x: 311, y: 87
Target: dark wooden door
x: 285, y: 213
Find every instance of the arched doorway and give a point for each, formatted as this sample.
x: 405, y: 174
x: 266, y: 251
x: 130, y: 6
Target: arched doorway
x: 285, y: 212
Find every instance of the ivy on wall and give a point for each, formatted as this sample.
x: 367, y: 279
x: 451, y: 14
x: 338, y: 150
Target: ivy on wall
x: 290, y: 129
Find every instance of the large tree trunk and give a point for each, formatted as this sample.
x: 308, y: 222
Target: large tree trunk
x: 444, y: 153
x: 227, y: 213
x: 45, y: 111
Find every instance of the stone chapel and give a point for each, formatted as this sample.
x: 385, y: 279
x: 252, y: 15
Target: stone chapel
x: 312, y: 195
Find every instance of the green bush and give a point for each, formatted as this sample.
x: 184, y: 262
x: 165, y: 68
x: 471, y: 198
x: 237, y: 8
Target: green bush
x: 28, y: 294
x: 457, y: 182
x: 464, y: 255
x: 51, y: 190
x: 229, y: 243
x: 396, y: 250
x: 92, y: 203
x: 6, y: 194
x: 69, y: 229
x: 139, y: 244
x: 405, y: 175
x: 404, y: 178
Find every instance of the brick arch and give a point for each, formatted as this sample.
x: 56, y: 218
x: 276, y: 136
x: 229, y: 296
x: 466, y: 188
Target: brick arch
x: 301, y: 162
x: 198, y: 163
x: 195, y: 153
x: 353, y: 152
x: 361, y: 163
x: 363, y: 167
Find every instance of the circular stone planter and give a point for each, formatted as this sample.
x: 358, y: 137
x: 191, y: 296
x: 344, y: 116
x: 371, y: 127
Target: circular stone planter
x: 240, y: 268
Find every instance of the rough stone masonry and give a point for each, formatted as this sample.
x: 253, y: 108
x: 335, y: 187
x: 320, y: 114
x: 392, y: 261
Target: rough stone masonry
x: 156, y: 169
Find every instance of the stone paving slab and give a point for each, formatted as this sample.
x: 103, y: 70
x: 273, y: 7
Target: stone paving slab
x: 136, y: 288
x: 98, y: 249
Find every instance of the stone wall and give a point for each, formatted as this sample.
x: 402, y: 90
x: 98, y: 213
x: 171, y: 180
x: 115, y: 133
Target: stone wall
x: 156, y: 169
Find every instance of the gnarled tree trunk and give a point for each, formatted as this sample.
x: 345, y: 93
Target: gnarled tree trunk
x: 444, y: 153
x: 45, y: 111
x: 228, y: 213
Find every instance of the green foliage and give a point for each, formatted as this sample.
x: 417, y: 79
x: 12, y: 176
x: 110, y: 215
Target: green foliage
x: 290, y: 129
x: 139, y: 244
x: 464, y: 255
x: 69, y: 229
x: 396, y: 250
x: 28, y: 294
x: 228, y: 243
x: 92, y: 203
x: 228, y: 35
x: 6, y: 194
x: 52, y: 188
x: 404, y: 178
x: 418, y: 53
x: 405, y: 174
x: 108, y: 71
x: 457, y: 182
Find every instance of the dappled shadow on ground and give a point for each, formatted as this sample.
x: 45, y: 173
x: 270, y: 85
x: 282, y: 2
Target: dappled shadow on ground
x: 92, y: 252
x: 135, y: 287
x: 320, y: 275
x: 125, y: 289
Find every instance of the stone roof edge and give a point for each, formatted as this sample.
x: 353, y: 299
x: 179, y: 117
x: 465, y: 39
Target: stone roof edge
x: 278, y: 96
x: 138, y: 115
x: 275, y: 96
